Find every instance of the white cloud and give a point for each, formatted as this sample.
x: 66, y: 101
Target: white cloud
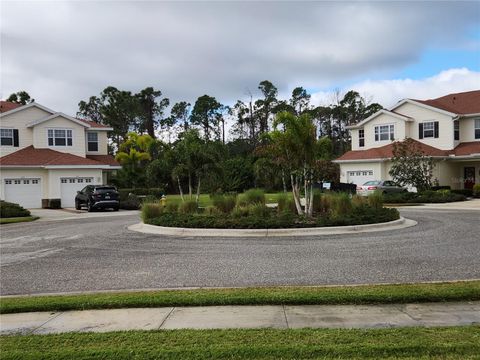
x: 64, y: 51
x: 388, y: 92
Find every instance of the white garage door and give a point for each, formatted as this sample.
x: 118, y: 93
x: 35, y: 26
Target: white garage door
x: 360, y: 177
x: 69, y: 188
x: 26, y: 192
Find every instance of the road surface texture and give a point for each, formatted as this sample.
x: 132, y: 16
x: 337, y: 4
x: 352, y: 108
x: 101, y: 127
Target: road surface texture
x: 101, y: 254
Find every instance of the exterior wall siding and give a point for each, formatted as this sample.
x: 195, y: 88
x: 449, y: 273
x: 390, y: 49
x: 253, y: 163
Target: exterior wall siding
x: 19, y: 120
x: 467, y: 129
x: 40, y: 138
x: 369, y: 128
x: 102, y: 143
x: 419, y: 114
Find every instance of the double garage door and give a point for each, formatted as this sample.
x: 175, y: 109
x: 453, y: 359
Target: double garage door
x: 26, y: 192
x: 360, y: 177
x: 69, y: 187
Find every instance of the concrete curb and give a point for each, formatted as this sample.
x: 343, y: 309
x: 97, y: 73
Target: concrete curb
x: 334, y: 230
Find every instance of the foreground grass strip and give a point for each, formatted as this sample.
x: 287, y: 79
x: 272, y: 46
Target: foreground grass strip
x: 371, y: 294
x: 18, y: 219
x: 406, y: 343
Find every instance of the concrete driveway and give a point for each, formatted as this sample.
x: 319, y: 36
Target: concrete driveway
x: 99, y: 253
x: 73, y: 214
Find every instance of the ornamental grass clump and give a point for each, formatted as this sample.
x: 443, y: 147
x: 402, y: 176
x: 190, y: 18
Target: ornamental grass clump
x: 317, y: 202
x: 252, y: 196
x: 171, y: 207
x: 326, y: 203
x: 375, y: 200
x: 342, y: 205
x: 213, y: 210
x: 151, y: 211
x: 188, y: 207
x: 359, y: 201
x: 224, y: 203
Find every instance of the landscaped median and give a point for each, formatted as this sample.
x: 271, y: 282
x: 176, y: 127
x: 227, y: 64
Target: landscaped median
x: 289, y: 295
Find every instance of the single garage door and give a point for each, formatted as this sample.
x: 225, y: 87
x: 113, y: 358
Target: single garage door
x: 359, y: 177
x: 26, y: 192
x: 69, y: 187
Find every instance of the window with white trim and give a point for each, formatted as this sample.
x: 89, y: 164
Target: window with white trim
x: 361, y: 138
x: 60, y: 137
x: 384, y: 132
x: 6, y: 137
x: 477, y: 128
x: 92, y: 141
x: 429, y: 129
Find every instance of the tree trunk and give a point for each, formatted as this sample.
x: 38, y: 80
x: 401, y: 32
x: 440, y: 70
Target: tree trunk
x: 296, y: 195
x: 197, y: 198
x: 190, y: 185
x: 284, y: 182
x: 180, y: 188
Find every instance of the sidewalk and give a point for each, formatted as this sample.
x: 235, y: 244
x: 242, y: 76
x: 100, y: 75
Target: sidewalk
x: 227, y: 317
x: 473, y: 204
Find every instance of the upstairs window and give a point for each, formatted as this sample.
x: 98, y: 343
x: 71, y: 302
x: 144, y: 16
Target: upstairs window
x: 59, y: 137
x: 7, y: 137
x: 428, y: 129
x: 384, y: 132
x: 456, y: 130
x: 477, y: 128
x: 361, y: 138
x: 92, y: 141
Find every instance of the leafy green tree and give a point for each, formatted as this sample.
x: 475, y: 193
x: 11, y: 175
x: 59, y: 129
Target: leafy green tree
x: 151, y: 109
x: 410, y: 165
x: 20, y: 97
x: 206, y: 113
x: 134, y: 156
x: 300, y: 100
x: 116, y: 108
x: 297, y: 144
x: 179, y: 114
x: 265, y: 106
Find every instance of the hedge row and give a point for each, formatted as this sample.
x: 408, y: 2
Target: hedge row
x: 11, y: 210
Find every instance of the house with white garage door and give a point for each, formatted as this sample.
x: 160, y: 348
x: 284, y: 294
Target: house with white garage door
x: 46, y: 155
x: 446, y: 128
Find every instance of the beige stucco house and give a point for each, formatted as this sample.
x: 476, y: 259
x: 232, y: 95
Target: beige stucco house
x: 447, y: 128
x: 47, y: 155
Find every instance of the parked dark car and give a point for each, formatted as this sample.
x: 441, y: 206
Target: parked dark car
x: 97, y: 197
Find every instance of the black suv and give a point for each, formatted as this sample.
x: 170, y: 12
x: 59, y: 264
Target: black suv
x: 97, y: 197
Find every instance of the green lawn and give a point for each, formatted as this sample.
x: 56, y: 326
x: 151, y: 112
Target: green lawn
x: 406, y: 343
x: 367, y: 294
x: 18, y: 219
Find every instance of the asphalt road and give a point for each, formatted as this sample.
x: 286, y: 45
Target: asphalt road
x: 101, y: 254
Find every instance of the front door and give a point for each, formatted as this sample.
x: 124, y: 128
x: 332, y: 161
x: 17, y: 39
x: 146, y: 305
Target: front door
x: 469, y: 177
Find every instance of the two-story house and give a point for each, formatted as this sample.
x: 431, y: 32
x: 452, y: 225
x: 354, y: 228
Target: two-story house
x: 49, y: 155
x: 446, y: 128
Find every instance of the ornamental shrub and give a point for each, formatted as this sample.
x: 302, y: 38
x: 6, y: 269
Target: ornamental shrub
x: 224, y: 203
x: 188, y: 207
x: 151, y: 211
x: 252, y: 196
x: 9, y: 210
x: 359, y: 201
x: 375, y: 200
x: 342, y: 205
x: 476, y: 190
x: 132, y: 202
x: 171, y: 207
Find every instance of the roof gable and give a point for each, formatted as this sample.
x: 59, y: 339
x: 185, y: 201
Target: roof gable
x: 56, y: 115
x: 378, y: 113
x: 19, y: 108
